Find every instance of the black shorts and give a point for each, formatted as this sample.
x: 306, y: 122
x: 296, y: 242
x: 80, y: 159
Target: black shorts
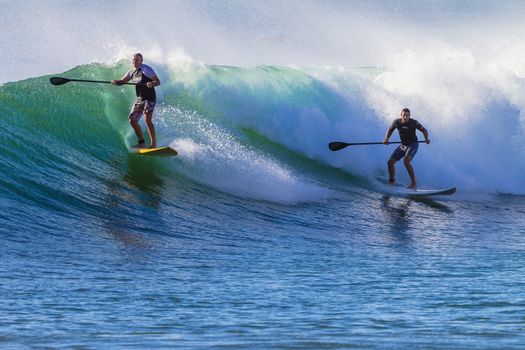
x: 403, y: 151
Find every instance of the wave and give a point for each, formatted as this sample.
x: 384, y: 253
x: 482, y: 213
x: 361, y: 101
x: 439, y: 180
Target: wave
x: 226, y: 121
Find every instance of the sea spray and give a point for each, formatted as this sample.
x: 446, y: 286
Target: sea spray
x: 215, y: 157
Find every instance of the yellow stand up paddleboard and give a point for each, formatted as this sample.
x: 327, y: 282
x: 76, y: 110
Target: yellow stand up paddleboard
x: 159, y: 151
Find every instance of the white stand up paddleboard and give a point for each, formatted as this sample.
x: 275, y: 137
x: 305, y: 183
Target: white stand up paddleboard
x: 416, y: 193
x: 159, y: 151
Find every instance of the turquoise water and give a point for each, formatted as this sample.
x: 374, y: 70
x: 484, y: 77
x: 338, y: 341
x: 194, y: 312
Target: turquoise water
x: 256, y: 236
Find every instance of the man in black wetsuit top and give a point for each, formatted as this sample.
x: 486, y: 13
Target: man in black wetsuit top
x: 146, y: 98
x: 409, y: 144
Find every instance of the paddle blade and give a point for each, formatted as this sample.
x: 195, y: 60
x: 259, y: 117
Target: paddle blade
x: 58, y: 80
x: 336, y: 146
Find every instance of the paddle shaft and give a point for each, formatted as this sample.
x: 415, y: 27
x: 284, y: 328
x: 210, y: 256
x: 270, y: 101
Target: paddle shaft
x: 375, y: 143
x: 336, y: 146
x: 100, y: 81
x: 61, y: 81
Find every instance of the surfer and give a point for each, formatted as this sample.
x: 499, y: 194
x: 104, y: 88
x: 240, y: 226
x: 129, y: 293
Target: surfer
x: 146, y: 98
x: 409, y: 145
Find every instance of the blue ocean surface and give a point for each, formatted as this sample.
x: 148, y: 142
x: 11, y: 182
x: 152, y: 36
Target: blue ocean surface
x: 257, y: 236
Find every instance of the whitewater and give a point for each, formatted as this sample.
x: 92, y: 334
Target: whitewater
x: 257, y: 235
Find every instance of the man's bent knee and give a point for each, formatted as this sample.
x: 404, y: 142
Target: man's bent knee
x: 148, y: 117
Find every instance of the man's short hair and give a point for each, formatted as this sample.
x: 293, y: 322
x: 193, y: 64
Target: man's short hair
x: 406, y: 110
x: 138, y: 54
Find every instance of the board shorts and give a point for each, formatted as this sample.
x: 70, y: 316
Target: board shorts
x: 140, y: 107
x: 403, y: 151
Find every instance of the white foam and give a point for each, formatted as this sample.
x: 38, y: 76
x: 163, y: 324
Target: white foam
x: 213, y: 156
x: 470, y: 108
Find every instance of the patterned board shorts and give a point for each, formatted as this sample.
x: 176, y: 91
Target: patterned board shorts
x: 140, y: 107
x: 403, y: 151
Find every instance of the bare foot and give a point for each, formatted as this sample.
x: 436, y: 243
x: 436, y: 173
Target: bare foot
x: 152, y: 146
x: 412, y: 187
x: 391, y: 182
x: 141, y: 144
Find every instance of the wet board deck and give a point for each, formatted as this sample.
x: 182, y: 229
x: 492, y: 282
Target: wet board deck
x: 420, y: 192
x: 159, y: 151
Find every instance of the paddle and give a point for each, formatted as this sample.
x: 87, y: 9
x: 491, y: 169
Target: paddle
x: 61, y: 81
x: 336, y: 146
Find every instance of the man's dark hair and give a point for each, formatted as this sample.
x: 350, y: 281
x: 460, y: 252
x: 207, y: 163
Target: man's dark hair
x: 406, y: 110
